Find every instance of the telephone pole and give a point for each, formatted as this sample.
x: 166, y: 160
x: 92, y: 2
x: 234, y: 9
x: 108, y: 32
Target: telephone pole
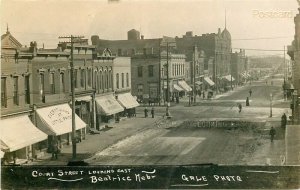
x: 73, y: 39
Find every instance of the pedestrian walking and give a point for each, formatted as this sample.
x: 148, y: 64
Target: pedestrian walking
x: 247, y: 102
x: 250, y: 92
x: 146, y: 112
x: 283, y: 120
x: 272, y: 133
x: 240, y: 107
x: 55, y: 148
x: 152, y: 112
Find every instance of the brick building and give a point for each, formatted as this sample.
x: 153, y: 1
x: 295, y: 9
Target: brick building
x: 293, y: 52
x: 214, y: 45
x: 146, y: 66
x: 36, y: 95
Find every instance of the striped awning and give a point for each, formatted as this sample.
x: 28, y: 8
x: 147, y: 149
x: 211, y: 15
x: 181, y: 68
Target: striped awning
x: 177, y: 88
x: 19, y: 132
x: 209, y: 81
x: 184, y: 86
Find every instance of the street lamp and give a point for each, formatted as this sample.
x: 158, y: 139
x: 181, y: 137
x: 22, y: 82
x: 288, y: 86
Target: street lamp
x: 271, y: 98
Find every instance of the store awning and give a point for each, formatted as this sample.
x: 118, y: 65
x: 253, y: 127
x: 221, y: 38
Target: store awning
x: 198, y: 83
x: 209, y: 81
x: 177, y: 88
x: 1, y: 154
x: 229, y: 78
x: 19, y: 132
x: 184, y: 86
x: 84, y: 98
x: 57, y: 120
x: 127, y: 101
x: 109, y: 105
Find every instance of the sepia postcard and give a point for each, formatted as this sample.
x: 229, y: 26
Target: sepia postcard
x: 150, y: 94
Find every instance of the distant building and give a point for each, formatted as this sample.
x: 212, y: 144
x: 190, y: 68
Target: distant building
x: 216, y: 46
x: 238, y: 67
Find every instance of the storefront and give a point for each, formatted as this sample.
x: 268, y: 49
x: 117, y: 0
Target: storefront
x: 208, y: 83
x: 20, y: 140
x: 229, y: 82
x: 83, y: 108
x: 184, y: 86
x: 177, y: 92
x: 129, y: 103
x: 107, y: 110
x: 57, y: 121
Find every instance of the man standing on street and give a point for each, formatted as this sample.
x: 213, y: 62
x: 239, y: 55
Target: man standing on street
x: 272, y: 133
x: 283, y: 120
x: 247, y: 102
x: 146, y: 112
x: 250, y: 92
x: 152, y: 112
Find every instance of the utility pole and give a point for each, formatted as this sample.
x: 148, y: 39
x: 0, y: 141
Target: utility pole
x: 161, y: 86
x: 194, y: 75
x: 168, y: 87
x: 72, y: 41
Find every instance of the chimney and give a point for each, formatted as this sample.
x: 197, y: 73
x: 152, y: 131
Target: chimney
x: 219, y: 30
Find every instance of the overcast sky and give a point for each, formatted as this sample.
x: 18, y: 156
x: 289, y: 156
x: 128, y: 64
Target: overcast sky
x: 251, y: 20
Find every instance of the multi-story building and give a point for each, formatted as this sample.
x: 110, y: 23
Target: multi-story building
x: 36, y: 94
x: 238, y: 67
x: 216, y: 46
x: 145, y: 63
x: 294, y: 53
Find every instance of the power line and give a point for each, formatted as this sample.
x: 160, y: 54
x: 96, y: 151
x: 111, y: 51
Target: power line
x: 263, y: 38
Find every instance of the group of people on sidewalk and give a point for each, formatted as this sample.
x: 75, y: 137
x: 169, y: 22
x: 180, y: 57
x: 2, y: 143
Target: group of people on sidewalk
x: 146, y: 112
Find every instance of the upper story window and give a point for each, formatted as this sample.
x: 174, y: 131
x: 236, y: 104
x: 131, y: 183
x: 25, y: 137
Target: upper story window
x: 75, y: 79
x: 127, y: 80
x: 107, y: 80
x: 122, y: 80
x: 82, y: 78
x: 89, y: 82
x: 52, y: 83
x: 3, y: 93
x: 27, y: 89
x: 140, y: 71
x: 62, y: 82
x: 117, y: 81
x: 15, y: 90
x: 110, y: 79
x: 150, y: 70
x: 42, y: 87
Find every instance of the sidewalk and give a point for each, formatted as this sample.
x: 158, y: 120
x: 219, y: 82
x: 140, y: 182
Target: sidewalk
x: 97, y: 142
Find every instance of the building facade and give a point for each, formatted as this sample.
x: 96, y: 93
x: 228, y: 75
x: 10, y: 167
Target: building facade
x: 293, y: 52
